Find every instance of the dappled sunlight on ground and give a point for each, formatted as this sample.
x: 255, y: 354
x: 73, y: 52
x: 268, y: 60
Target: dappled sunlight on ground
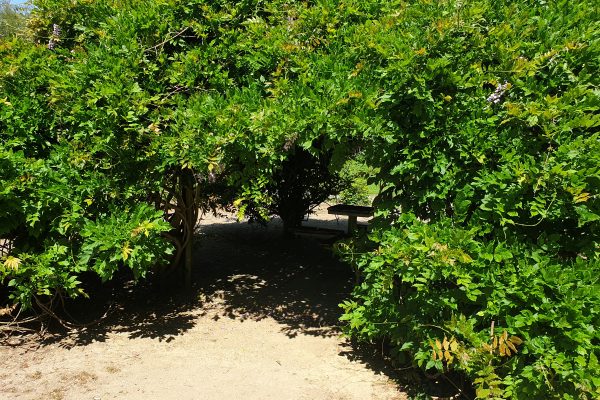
x: 260, y: 322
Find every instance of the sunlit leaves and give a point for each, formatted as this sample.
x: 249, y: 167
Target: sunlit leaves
x: 12, y: 263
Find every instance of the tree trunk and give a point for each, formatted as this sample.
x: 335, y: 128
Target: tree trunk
x: 190, y: 212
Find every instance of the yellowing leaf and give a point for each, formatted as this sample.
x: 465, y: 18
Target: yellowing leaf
x: 126, y: 251
x: 145, y: 228
x: 516, y: 340
x: 437, y: 353
x: 513, y: 109
x: 448, y: 356
x: 502, y: 349
x: 445, y: 344
x: 357, y: 70
x: 12, y: 263
x: 154, y: 128
x: 211, y: 167
x: 465, y: 258
x: 581, y: 197
x: 453, y: 346
x: 511, y: 346
x: 237, y: 202
x: 89, y: 202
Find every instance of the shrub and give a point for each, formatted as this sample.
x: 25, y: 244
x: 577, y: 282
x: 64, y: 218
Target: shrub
x: 433, y: 290
x: 355, y: 175
x: 115, y: 119
x: 480, y: 118
x: 303, y: 181
x: 114, y: 107
x: 490, y: 203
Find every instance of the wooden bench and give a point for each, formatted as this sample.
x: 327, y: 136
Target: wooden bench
x: 352, y: 212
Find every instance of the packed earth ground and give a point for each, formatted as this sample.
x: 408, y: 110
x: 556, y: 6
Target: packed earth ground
x: 260, y: 323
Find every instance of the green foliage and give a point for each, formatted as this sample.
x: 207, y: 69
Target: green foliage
x: 180, y: 106
x: 116, y: 107
x: 355, y: 176
x: 480, y: 120
x: 131, y: 238
x: 303, y: 181
x: 427, y: 281
x: 490, y: 152
x: 127, y: 236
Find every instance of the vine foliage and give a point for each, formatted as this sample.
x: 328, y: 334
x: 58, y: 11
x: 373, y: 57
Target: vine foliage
x: 122, y: 121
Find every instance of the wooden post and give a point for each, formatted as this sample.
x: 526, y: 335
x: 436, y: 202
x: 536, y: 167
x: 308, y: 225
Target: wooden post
x: 351, y: 223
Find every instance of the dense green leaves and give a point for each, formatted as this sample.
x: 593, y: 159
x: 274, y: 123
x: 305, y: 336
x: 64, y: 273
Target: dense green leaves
x: 422, y: 279
x: 179, y: 106
x: 478, y: 120
x: 491, y: 155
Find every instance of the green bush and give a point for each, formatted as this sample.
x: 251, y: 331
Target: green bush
x: 303, y: 181
x: 115, y: 117
x: 491, y: 155
x: 355, y: 175
x: 172, y: 106
x: 428, y: 283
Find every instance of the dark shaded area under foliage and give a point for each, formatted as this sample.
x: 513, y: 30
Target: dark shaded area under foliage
x: 252, y: 269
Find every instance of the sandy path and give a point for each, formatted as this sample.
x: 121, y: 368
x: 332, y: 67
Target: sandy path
x: 224, y: 359
x: 260, y: 324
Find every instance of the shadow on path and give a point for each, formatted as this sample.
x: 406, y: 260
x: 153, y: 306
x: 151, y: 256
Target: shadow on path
x: 255, y: 273
x: 241, y: 271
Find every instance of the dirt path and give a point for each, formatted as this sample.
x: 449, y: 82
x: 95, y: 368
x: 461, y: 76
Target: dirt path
x: 260, y: 324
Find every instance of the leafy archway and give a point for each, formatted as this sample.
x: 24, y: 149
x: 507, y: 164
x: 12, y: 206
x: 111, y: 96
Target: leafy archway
x: 119, y: 120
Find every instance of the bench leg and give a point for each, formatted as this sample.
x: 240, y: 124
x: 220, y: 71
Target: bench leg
x: 351, y: 224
